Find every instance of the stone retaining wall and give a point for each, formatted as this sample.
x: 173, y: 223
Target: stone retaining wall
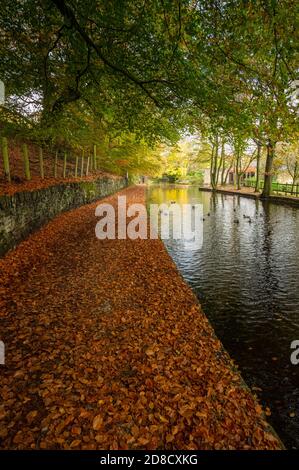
x: 24, y: 212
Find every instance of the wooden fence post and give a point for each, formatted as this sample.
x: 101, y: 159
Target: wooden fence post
x: 91, y: 161
x: 6, y: 159
x: 55, y: 164
x: 76, y: 166
x: 41, y: 163
x: 82, y: 164
x: 64, y: 164
x: 26, y: 162
x: 95, y: 163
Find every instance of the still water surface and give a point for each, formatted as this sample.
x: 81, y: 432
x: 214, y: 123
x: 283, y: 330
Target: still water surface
x: 246, y: 276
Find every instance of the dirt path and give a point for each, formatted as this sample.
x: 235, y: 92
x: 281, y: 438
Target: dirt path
x: 230, y: 189
x: 106, y: 348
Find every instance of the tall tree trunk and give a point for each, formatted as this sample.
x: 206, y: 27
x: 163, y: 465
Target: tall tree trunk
x: 238, y: 181
x: 223, y: 164
x: 6, y: 159
x: 215, y: 163
x: 220, y: 163
x: 295, y: 176
x: 227, y: 173
x: 258, y: 164
x: 268, y: 170
x: 238, y: 170
x: 212, y: 166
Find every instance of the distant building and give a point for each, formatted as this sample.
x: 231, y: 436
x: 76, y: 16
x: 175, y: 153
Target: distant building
x: 249, y: 173
x: 143, y: 179
x: 206, y: 176
x: 232, y: 178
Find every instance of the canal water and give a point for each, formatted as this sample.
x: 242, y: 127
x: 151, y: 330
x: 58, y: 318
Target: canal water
x: 246, y: 277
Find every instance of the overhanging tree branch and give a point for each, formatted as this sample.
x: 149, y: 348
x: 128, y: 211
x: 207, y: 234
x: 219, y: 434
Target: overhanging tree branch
x: 69, y: 15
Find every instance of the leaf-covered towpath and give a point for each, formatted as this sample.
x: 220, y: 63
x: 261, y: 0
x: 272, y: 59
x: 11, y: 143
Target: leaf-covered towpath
x: 107, y: 348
